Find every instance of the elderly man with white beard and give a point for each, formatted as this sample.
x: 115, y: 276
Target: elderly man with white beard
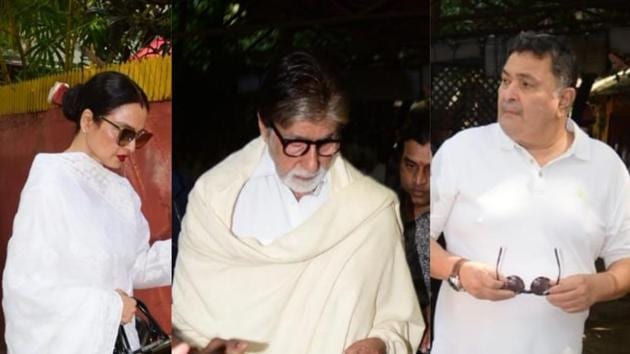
x: 285, y: 246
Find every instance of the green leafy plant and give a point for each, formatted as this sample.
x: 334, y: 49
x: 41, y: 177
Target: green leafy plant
x: 40, y: 37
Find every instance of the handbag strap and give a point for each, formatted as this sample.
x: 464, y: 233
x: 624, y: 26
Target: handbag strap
x: 153, y: 324
x: 122, y: 342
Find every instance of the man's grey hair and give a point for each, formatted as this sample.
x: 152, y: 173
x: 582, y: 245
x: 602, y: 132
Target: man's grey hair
x: 301, y: 87
x: 563, y: 63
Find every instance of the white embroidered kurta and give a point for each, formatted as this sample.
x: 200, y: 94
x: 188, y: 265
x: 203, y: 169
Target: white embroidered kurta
x: 339, y: 277
x: 78, y: 235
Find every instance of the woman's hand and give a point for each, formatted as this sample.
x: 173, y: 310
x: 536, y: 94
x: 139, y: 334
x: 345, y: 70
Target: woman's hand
x: 129, y: 307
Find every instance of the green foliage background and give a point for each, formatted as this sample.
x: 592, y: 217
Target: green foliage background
x: 40, y: 37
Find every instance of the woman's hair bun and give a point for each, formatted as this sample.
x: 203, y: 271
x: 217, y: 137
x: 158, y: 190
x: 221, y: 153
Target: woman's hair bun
x: 71, y: 105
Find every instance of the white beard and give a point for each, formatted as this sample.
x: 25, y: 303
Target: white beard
x: 303, y: 186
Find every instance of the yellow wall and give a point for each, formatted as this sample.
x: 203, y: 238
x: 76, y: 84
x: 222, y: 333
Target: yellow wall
x: 152, y: 74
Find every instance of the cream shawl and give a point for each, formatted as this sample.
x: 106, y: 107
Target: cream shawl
x: 338, y: 278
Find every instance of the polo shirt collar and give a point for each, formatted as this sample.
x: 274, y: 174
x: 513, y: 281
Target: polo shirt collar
x: 580, y: 146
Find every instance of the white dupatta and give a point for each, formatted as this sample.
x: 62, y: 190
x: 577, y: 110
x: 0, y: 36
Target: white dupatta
x: 78, y: 235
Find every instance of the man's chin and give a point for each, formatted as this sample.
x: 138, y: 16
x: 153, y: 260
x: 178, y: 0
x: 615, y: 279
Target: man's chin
x: 302, y: 186
x: 423, y: 200
x: 307, y: 187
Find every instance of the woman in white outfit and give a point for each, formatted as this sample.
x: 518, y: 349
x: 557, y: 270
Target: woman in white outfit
x: 80, y: 243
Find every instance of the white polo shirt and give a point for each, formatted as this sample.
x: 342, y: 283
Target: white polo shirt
x: 488, y: 192
x: 267, y: 209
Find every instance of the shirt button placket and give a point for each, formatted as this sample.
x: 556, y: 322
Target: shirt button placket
x: 539, y: 182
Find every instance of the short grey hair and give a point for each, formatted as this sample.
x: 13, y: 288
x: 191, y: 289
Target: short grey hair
x: 301, y: 87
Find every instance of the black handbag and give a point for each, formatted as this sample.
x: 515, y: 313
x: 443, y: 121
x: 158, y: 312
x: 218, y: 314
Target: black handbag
x: 153, y: 339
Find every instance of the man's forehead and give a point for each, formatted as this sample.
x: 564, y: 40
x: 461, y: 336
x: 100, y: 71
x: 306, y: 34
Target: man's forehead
x: 308, y: 128
x: 417, y: 152
x: 528, y: 63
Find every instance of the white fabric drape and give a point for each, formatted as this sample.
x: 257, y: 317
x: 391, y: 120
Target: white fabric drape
x: 339, y: 277
x: 78, y: 235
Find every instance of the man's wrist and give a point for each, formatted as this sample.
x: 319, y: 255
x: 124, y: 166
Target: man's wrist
x: 607, y: 285
x: 457, y: 266
x: 454, y: 278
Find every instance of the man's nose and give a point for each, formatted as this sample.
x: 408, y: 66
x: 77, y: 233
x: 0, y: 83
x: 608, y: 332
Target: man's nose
x: 510, y: 92
x: 421, y: 177
x: 310, y: 160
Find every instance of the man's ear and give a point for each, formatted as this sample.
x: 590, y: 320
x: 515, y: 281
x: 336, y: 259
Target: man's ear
x: 262, y: 128
x: 87, y: 120
x: 567, y: 97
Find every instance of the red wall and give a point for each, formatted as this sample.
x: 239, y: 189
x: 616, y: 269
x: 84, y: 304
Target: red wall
x: 22, y: 136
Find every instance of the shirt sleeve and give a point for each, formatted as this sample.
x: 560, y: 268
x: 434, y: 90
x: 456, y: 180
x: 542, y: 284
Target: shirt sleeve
x: 617, y: 242
x: 153, y: 265
x: 444, y: 189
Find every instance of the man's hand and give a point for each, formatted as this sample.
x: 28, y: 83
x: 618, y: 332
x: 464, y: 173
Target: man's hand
x: 578, y: 293
x: 479, y: 280
x: 181, y: 348
x: 224, y: 346
x: 425, y: 343
x: 367, y: 346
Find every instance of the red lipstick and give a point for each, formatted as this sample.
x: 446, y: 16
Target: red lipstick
x: 121, y: 157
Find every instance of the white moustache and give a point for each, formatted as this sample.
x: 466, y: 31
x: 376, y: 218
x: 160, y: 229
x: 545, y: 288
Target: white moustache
x: 309, y: 176
x: 302, y: 181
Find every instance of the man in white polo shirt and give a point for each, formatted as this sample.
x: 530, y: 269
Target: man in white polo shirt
x: 526, y: 206
x: 287, y: 248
